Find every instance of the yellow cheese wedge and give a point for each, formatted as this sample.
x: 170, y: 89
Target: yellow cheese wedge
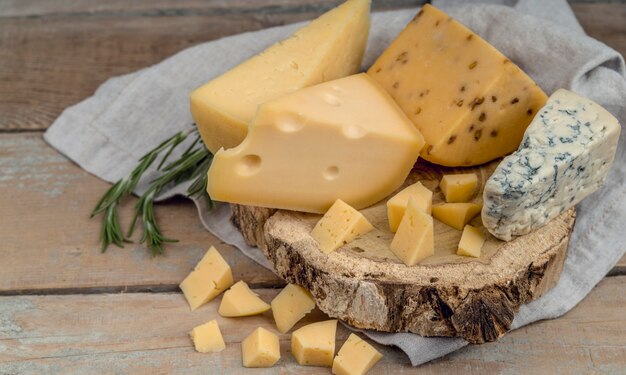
x: 210, y: 277
x: 472, y: 241
x: 356, y: 357
x: 329, y: 47
x: 415, y: 239
x: 397, y: 204
x: 239, y: 300
x: 458, y: 187
x: 260, y: 349
x: 307, y: 149
x: 314, y: 344
x: 339, y: 225
x: 291, y: 305
x: 470, y: 102
x: 207, y: 338
x: 456, y: 215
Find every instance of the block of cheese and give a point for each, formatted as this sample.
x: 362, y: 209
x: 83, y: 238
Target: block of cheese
x: 456, y: 215
x: 469, y: 101
x: 307, y: 149
x: 329, y: 47
x: 260, y: 349
x: 239, y: 300
x: 339, y: 225
x: 291, y: 305
x: 397, y: 204
x: 356, y: 357
x: 566, y: 154
x: 210, y: 277
x: 458, y: 187
x: 314, y: 344
x: 472, y: 241
x: 207, y: 338
x: 415, y: 238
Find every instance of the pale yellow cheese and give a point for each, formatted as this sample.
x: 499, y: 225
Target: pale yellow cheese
x: 356, y: 357
x: 207, y: 338
x: 397, y: 204
x: 472, y: 241
x: 239, y: 300
x: 210, y: 277
x: 307, y: 149
x: 260, y: 349
x: 456, y: 215
x: 459, y: 187
x: 339, y: 225
x: 291, y: 305
x: 314, y: 344
x: 329, y: 47
x: 415, y: 239
x: 470, y: 102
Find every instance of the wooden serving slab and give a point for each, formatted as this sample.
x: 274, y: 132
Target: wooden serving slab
x: 365, y: 285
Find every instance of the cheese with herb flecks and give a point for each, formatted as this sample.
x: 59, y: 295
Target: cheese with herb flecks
x: 565, y: 155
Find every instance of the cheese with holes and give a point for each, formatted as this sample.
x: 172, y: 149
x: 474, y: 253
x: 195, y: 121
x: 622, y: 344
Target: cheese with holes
x: 471, y: 242
x: 356, y: 357
x: 207, y: 338
x: 329, y: 47
x: 239, y: 300
x: 339, y: 225
x: 458, y: 187
x: 307, y: 149
x: 456, y: 215
x: 291, y: 305
x: 314, y: 344
x: 397, y: 204
x: 210, y: 277
x: 415, y: 239
x: 260, y: 349
x: 469, y: 101
x: 566, y: 154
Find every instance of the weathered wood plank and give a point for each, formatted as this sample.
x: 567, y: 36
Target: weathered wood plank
x: 87, y: 333
x: 48, y: 241
x: 605, y: 22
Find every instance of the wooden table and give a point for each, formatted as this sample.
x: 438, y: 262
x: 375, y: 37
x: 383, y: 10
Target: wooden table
x: 65, y: 307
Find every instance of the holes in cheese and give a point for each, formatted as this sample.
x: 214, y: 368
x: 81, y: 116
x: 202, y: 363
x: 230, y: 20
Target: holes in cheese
x: 397, y: 204
x: 469, y: 101
x: 472, y: 241
x: 260, y: 349
x: 458, y: 187
x: 211, y: 276
x: 239, y: 300
x: 456, y: 215
x: 314, y: 344
x: 415, y: 239
x: 337, y: 151
x: 291, y: 305
x: 329, y: 47
x: 207, y: 338
x: 339, y: 225
x: 356, y: 357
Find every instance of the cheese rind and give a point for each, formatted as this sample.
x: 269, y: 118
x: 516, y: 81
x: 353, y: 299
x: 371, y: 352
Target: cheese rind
x: 307, y: 149
x: 260, y: 349
x: 239, y: 300
x: 211, y: 276
x: 471, y: 242
x: 207, y: 338
x: 456, y: 215
x: 291, y: 305
x: 565, y: 155
x: 356, y: 357
x: 397, y: 204
x: 469, y: 101
x: 329, y: 47
x: 415, y: 238
x: 340, y: 225
x: 458, y: 187
x: 314, y: 344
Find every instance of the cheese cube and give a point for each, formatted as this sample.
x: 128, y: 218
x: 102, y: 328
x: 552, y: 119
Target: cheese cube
x: 469, y: 101
x: 260, y: 349
x: 307, y: 149
x: 456, y: 215
x: 339, y: 225
x: 415, y: 239
x: 397, y: 204
x: 472, y: 241
x: 329, y: 47
x: 207, y: 338
x: 458, y: 187
x: 356, y: 357
x: 210, y: 277
x: 291, y: 305
x: 314, y: 344
x: 239, y: 300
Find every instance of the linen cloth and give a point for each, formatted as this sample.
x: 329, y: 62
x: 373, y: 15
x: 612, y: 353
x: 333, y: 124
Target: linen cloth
x: 129, y: 115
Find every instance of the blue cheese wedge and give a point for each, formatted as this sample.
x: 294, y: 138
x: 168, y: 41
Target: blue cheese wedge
x: 564, y: 156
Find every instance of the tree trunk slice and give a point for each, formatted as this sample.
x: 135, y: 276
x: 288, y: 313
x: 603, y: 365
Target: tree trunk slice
x: 364, y: 284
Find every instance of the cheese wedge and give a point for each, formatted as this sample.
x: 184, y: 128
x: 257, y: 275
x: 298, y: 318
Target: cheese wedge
x: 239, y: 300
x: 415, y: 239
x: 456, y: 215
x: 472, y: 241
x: 397, y: 204
x: 314, y: 344
x: 260, y: 349
x: 207, y: 338
x: 356, y: 357
x: 307, y: 149
x: 291, y: 305
x: 328, y: 48
x: 458, y: 187
x: 339, y: 225
x: 211, y: 276
x: 470, y: 102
